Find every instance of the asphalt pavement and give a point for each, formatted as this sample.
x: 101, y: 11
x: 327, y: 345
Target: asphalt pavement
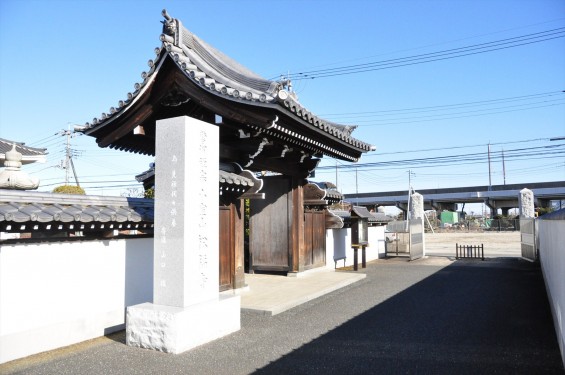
x: 430, y: 316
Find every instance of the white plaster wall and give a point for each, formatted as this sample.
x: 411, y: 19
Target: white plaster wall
x: 338, y: 246
x: 551, y: 234
x: 60, y: 293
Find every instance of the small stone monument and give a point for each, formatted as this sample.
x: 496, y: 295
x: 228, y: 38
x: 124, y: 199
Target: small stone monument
x: 417, y: 206
x: 526, y: 204
x: 417, y: 212
x: 187, y: 309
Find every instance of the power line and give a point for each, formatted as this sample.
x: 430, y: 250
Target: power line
x: 433, y: 56
x: 437, y: 117
x: 455, y: 147
x: 39, y: 142
x: 431, y: 45
x: 444, y: 106
x: 460, y: 159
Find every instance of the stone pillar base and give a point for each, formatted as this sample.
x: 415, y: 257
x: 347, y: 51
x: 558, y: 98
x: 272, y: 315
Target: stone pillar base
x: 177, y: 329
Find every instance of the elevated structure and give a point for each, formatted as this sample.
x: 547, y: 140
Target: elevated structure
x: 496, y: 197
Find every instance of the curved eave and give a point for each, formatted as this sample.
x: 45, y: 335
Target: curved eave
x: 132, y: 97
x: 320, y: 136
x: 282, y: 102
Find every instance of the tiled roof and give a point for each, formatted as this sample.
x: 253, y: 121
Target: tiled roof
x: 321, y: 193
x: 229, y: 178
x: 224, y: 77
x: 29, y: 154
x: 224, y: 178
x: 332, y: 194
x: 48, y: 208
x: 376, y: 217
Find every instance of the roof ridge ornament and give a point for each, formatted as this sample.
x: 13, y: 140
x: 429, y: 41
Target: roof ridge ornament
x: 170, y: 27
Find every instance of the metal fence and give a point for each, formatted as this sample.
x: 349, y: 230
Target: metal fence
x: 469, y: 251
x: 405, y: 239
x: 485, y: 225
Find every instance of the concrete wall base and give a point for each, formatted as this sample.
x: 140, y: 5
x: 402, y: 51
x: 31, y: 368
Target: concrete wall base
x: 177, y: 329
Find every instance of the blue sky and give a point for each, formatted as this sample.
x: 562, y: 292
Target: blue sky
x: 65, y: 62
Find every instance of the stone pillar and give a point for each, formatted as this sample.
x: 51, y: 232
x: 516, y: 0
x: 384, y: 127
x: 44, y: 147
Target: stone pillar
x: 417, y: 206
x: 526, y: 203
x: 417, y: 212
x: 187, y: 309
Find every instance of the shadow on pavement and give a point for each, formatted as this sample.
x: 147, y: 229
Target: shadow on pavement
x: 471, y: 317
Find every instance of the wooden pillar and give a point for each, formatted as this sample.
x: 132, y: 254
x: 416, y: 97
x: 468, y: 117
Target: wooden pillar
x: 297, y: 225
x: 237, y: 212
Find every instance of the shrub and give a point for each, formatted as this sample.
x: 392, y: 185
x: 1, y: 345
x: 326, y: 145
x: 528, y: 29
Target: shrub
x: 69, y: 189
x: 149, y: 193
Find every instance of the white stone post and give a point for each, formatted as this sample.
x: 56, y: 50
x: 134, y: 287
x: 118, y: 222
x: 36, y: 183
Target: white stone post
x: 417, y: 206
x: 526, y: 204
x: 417, y: 212
x: 187, y: 309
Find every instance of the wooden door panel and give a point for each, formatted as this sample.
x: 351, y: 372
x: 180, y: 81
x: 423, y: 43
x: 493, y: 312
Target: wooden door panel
x: 269, y: 226
x: 308, y: 238
x: 319, y: 239
x: 225, y: 249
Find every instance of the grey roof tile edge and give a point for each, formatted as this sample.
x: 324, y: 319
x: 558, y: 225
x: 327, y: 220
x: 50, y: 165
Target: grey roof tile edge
x: 48, y: 213
x: 6, y: 145
x: 18, y: 196
x: 23, y: 207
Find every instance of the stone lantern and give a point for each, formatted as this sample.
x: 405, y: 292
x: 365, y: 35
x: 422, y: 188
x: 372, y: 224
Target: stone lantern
x: 12, y: 177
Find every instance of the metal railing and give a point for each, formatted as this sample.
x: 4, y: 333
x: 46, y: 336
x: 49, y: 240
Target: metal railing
x: 469, y: 252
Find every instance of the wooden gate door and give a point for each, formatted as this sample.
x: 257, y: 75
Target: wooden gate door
x: 226, y: 249
x: 269, y: 223
x: 314, y: 239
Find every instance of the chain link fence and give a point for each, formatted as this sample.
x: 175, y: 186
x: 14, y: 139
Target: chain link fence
x: 475, y: 225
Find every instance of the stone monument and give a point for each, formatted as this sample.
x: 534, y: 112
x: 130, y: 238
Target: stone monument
x: 417, y: 213
x: 526, y: 204
x: 187, y: 309
x: 417, y: 206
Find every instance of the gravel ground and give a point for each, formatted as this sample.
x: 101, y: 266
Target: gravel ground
x: 496, y: 244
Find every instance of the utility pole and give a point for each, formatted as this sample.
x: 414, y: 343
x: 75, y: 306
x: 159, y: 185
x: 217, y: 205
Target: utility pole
x: 410, y: 174
x: 69, y: 156
x: 336, y: 174
x: 356, y: 186
x: 489, y: 174
x: 503, y: 168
